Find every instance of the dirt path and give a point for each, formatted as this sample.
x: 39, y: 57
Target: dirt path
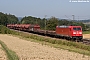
x: 86, y: 36
x: 27, y: 50
x: 2, y: 54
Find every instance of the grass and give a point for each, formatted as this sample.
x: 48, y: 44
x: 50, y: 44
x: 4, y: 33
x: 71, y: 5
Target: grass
x: 4, y: 30
x: 11, y: 55
x: 86, y: 32
x: 57, y: 43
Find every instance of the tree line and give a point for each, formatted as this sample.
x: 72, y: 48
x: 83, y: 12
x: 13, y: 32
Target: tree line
x: 50, y: 23
x: 7, y: 19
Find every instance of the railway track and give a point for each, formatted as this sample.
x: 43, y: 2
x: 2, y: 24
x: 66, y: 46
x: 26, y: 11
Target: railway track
x: 84, y: 41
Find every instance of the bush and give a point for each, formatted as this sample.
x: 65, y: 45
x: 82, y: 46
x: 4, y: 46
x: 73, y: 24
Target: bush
x: 4, y: 30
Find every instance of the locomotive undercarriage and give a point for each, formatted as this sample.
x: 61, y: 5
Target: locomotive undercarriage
x: 77, y: 38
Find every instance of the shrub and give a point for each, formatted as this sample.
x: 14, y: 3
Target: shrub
x: 4, y: 30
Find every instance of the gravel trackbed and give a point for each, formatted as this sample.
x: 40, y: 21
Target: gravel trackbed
x: 27, y: 50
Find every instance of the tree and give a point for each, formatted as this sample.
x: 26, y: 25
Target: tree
x: 7, y: 19
x: 33, y: 20
x: 3, y: 19
x: 52, y: 23
x: 12, y: 19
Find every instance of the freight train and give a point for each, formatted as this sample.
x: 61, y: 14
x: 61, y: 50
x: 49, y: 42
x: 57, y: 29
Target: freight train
x: 68, y: 32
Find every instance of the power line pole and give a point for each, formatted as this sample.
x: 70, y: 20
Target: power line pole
x: 67, y: 17
x: 36, y: 20
x: 78, y: 17
x: 45, y: 23
x: 73, y: 17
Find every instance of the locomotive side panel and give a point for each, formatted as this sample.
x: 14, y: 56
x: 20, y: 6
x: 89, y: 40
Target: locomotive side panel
x: 63, y: 31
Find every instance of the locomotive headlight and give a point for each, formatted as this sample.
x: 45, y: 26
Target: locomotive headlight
x: 80, y: 32
x: 74, y: 32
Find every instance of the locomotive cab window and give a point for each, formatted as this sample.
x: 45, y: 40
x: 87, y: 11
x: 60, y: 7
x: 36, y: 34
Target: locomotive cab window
x: 76, y: 28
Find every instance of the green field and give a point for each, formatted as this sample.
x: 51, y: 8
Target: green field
x: 86, y: 32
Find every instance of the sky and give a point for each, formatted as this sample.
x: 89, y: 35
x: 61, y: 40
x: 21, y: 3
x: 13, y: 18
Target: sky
x: 46, y: 8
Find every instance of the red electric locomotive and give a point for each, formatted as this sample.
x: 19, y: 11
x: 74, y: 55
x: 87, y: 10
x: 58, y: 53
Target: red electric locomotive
x: 74, y: 32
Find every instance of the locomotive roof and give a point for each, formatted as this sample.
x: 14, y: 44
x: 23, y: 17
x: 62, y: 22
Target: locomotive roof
x: 63, y: 26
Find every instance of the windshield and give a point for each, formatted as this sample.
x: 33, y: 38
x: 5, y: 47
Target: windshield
x: 76, y: 28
